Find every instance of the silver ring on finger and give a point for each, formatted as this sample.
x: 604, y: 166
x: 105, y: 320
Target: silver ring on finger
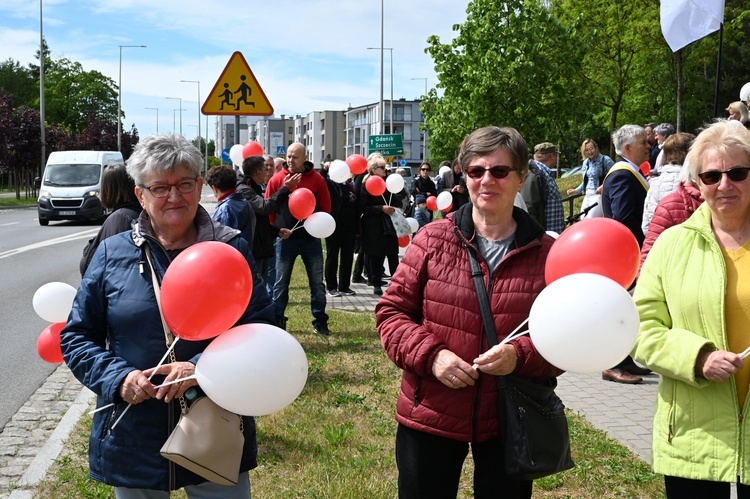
x: 453, y: 378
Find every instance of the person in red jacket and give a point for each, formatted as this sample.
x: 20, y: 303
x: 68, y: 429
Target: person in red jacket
x: 431, y: 326
x: 300, y: 243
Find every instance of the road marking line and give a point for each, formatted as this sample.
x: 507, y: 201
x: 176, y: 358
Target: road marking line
x: 50, y: 242
x: 12, y: 223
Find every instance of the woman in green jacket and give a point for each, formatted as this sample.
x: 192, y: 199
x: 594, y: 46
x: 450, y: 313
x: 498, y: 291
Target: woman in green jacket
x: 693, y: 297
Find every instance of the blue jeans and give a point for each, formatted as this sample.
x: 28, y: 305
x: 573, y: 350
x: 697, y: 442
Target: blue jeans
x: 311, y: 251
x: 264, y: 266
x: 204, y: 490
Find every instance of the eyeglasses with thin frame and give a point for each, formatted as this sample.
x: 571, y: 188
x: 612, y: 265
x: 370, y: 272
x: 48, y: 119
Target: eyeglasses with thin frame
x: 498, y: 171
x: 184, y: 186
x: 735, y: 174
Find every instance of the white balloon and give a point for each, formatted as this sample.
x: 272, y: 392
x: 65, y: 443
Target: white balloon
x: 253, y: 369
x: 53, y: 301
x: 339, y: 171
x: 235, y: 154
x: 320, y: 225
x: 745, y: 92
x: 444, y: 201
x: 394, y: 183
x: 443, y: 169
x: 413, y: 224
x: 584, y: 342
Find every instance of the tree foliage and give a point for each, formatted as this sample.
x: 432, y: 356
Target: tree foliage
x: 501, y: 69
x: 565, y: 70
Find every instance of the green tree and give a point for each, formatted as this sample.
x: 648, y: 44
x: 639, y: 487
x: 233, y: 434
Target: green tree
x: 512, y: 63
x: 72, y: 95
x: 19, y: 82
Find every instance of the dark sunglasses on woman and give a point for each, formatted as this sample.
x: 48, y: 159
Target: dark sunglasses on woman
x: 735, y: 174
x: 498, y: 171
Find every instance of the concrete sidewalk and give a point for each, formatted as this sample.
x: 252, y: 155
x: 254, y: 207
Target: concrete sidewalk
x: 33, y: 438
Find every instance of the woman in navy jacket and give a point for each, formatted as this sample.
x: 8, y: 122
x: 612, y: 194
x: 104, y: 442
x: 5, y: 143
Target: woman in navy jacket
x: 114, y: 332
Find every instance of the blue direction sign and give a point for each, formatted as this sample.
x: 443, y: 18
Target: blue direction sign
x: 225, y: 156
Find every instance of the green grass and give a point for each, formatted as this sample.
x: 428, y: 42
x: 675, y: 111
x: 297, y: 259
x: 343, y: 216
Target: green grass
x: 337, y: 439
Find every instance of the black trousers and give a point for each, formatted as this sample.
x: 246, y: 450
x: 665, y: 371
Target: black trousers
x: 430, y: 467
x: 339, y: 244
x: 679, y: 488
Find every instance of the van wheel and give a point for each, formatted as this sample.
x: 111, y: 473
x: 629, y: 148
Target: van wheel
x: 43, y: 222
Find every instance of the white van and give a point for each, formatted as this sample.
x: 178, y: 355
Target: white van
x: 71, y: 184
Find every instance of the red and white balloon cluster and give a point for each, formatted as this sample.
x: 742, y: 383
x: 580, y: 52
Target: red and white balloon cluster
x: 239, y: 152
x: 52, y: 302
x: 585, y: 321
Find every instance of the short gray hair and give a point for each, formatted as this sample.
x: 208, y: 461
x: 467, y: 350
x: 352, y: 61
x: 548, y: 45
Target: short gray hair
x: 625, y: 135
x: 665, y: 129
x: 487, y: 140
x: 157, y: 154
x: 722, y: 138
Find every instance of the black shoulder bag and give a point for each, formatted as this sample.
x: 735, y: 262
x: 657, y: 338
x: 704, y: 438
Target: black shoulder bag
x: 532, y: 416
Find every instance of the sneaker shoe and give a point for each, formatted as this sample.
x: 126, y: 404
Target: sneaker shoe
x: 347, y: 292
x: 322, y: 329
x: 377, y: 291
x: 333, y: 292
x: 358, y: 279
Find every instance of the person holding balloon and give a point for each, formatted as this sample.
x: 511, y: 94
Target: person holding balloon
x: 300, y: 243
x: 115, y: 337
x: 430, y: 324
x: 693, y: 298
x: 378, y: 234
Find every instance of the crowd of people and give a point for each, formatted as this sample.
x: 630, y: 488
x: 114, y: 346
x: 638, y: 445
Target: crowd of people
x: 505, y: 212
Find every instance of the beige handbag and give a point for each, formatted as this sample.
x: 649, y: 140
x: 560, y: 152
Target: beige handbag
x: 208, y: 440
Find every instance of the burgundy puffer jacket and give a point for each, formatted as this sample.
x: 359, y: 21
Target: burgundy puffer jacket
x: 672, y: 209
x: 431, y: 304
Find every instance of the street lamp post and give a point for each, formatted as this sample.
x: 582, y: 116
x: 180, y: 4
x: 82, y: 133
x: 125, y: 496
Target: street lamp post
x: 157, y: 117
x: 180, y: 109
x: 424, y: 132
x: 381, y: 80
x: 205, y: 164
x: 174, y: 118
x: 41, y: 91
x: 119, y: 96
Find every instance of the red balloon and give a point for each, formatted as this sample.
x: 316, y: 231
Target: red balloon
x: 596, y: 246
x: 48, y: 343
x: 403, y: 241
x: 375, y: 185
x: 301, y: 203
x: 432, y: 203
x: 357, y: 163
x: 645, y: 168
x: 205, y: 290
x: 252, y: 148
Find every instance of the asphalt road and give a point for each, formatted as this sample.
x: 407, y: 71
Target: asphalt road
x: 30, y: 256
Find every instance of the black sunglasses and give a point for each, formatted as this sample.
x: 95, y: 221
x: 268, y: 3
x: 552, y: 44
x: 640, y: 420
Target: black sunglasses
x: 424, y: 169
x: 735, y: 174
x: 498, y: 171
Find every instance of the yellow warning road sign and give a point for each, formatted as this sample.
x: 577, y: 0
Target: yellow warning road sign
x: 237, y: 92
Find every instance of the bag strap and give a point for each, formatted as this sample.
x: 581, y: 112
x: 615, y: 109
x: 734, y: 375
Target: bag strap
x: 168, y: 336
x: 489, y: 329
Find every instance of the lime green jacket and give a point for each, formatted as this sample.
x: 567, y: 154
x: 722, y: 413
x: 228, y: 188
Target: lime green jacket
x: 699, y: 431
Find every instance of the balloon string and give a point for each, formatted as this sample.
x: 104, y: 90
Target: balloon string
x: 513, y: 335
x: 390, y: 197
x: 745, y: 353
x: 296, y: 226
x: 175, y: 381
x: 384, y: 200
x: 171, y: 347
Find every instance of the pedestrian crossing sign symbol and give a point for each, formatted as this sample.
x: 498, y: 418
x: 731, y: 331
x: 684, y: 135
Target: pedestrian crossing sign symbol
x: 237, y: 92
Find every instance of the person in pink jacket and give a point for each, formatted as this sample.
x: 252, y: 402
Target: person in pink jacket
x: 431, y: 326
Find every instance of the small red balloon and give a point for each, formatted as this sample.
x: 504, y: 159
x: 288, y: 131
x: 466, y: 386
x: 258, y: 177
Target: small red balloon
x: 301, y: 203
x: 596, y: 246
x: 403, y: 241
x: 357, y: 163
x: 205, y: 290
x: 48, y: 343
x: 375, y: 185
x: 252, y: 148
x: 432, y: 203
x: 645, y: 168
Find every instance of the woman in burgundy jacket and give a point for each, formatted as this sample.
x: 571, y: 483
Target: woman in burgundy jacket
x: 431, y: 327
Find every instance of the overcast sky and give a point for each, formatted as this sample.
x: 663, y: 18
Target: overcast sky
x: 308, y: 55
